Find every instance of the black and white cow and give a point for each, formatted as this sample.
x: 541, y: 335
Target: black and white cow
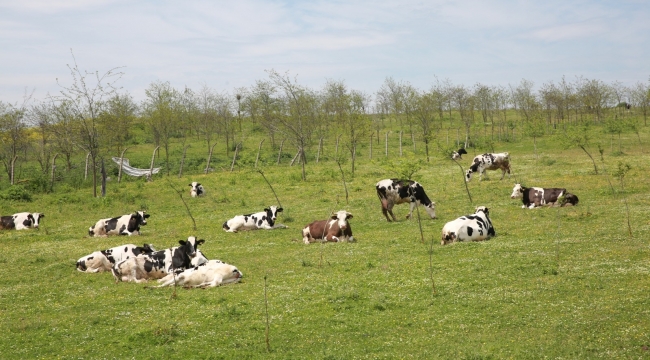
x: 458, y: 154
x: 392, y: 192
x: 489, y: 161
x: 210, y: 274
x: 535, y: 196
x: 475, y: 227
x: 21, y: 221
x: 157, y: 264
x: 196, y: 189
x: 104, y: 260
x: 121, y: 225
x: 261, y: 220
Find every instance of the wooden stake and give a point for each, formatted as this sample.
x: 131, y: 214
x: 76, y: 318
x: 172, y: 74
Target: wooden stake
x: 400, y: 143
x: 180, y: 171
x: 85, y: 172
x: 152, y: 161
x: 258, y: 152
x: 234, y: 157
x: 207, y: 166
x: 280, y: 152
x: 119, y: 173
x: 53, y: 168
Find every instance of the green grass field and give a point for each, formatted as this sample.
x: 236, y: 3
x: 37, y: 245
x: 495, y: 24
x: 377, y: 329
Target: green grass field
x: 554, y: 283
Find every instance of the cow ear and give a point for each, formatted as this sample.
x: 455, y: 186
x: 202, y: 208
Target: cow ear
x: 146, y: 215
x: 267, y: 209
x: 189, y: 184
x: 334, y: 217
x: 41, y: 215
x: 182, y: 242
x: 348, y: 216
x: 200, y: 242
x: 279, y: 210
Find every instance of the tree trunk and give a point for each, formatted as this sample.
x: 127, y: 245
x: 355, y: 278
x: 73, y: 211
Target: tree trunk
x: 304, y: 161
x: 153, y: 157
x: 180, y: 171
x: 234, y: 157
x: 53, y: 168
x: 400, y: 143
x: 386, y: 143
x: 207, y: 166
x: 320, y: 146
x: 370, y: 153
x: 259, y: 149
x: 103, y: 179
x: 94, y: 161
x: 86, y: 171
x: 119, y: 173
x: 280, y: 152
x: 592, y: 159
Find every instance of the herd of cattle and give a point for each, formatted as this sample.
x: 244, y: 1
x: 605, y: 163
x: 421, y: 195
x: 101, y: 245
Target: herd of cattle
x: 187, y: 266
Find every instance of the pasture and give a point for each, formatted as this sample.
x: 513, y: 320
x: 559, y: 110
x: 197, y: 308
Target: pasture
x: 554, y: 283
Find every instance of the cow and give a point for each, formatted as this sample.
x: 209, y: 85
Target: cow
x: 21, y: 221
x: 197, y: 189
x: 458, y: 154
x: 122, y: 225
x: 393, y: 191
x: 157, y: 264
x: 535, y: 196
x: 335, y: 229
x: 261, y: 220
x: 475, y: 227
x: 489, y: 161
x: 104, y: 260
x: 210, y: 274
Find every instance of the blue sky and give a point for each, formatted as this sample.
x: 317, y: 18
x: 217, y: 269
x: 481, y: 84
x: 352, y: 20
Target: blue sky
x: 230, y: 44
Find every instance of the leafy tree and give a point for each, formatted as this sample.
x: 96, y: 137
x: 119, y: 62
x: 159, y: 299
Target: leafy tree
x: 578, y: 136
x: 13, y: 136
x: 161, y: 113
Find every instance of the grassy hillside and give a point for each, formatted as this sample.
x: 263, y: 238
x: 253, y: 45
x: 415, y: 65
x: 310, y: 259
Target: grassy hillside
x: 554, y: 282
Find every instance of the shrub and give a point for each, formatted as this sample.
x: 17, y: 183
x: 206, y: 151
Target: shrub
x: 16, y: 193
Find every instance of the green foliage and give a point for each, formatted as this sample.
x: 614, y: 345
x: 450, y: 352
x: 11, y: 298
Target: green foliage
x: 16, y: 193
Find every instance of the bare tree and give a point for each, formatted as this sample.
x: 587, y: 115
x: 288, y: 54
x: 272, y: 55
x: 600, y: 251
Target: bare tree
x: 86, y: 99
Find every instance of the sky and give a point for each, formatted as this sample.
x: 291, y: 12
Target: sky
x: 226, y: 45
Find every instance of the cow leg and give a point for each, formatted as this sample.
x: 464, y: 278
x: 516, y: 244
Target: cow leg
x: 412, y: 205
x: 384, y: 208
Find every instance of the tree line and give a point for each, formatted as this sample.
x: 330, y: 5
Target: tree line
x: 91, y: 115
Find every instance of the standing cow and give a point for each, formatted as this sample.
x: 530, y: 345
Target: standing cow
x: 458, y: 154
x: 122, y: 225
x: 393, y: 191
x: 475, y: 227
x: 489, y: 161
x: 261, y: 220
x: 196, y: 189
x: 335, y: 229
x: 104, y: 260
x: 535, y: 196
x: 21, y: 221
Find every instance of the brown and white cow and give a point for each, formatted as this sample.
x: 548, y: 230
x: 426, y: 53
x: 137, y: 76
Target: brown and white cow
x: 21, y: 221
x: 335, y: 229
x: 489, y: 161
x: 393, y: 191
x: 536, y: 196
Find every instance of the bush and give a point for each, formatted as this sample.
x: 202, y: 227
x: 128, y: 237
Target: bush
x: 16, y: 193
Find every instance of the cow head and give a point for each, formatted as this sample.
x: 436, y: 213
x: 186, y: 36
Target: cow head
x: 190, y: 246
x: 458, y: 154
x: 140, y: 217
x: 229, y: 274
x: 472, y: 169
x: 36, y: 217
x: 199, y: 259
x: 342, y: 217
x: 517, y: 191
x: 197, y: 189
x: 431, y: 210
x: 272, y: 212
x: 482, y: 209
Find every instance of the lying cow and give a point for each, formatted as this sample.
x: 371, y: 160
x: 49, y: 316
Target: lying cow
x: 489, y: 162
x: 196, y: 190
x: 535, y: 196
x: 157, y: 264
x: 20, y: 221
x: 393, y: 191
x: 335, y: 229
x: 458, y: 154
x: 122, y: 225
x: 210, y: 274
x: 475, y: 227
x: 261, y: 220
x: 105, y: 259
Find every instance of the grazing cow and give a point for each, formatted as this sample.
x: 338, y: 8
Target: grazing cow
x: 157, y: 264
x: 197, y: 189
x: 261, y: 220
x: 20, y: 221
x: 122, y: 225
x: 393, y: 191
x: 335, y: 229
x: 535, y: 196
x: 105, y: 259
x: 475, y: 227
x: 210, y: 274
x: 489, y: 162
x: 458, y: 154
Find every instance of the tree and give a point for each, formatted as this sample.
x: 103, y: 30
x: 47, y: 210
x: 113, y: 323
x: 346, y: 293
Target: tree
x: 578, y: 136
x: 13, y: 133
x: 640, y: 97
x: 85, y: 99
x: 298, y: 113
x: 160, y: 110
x: 263, y: 107
x: 116, y: 121
x: 62, y: 127
x: 425, y: 112
x: 41, y: 120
